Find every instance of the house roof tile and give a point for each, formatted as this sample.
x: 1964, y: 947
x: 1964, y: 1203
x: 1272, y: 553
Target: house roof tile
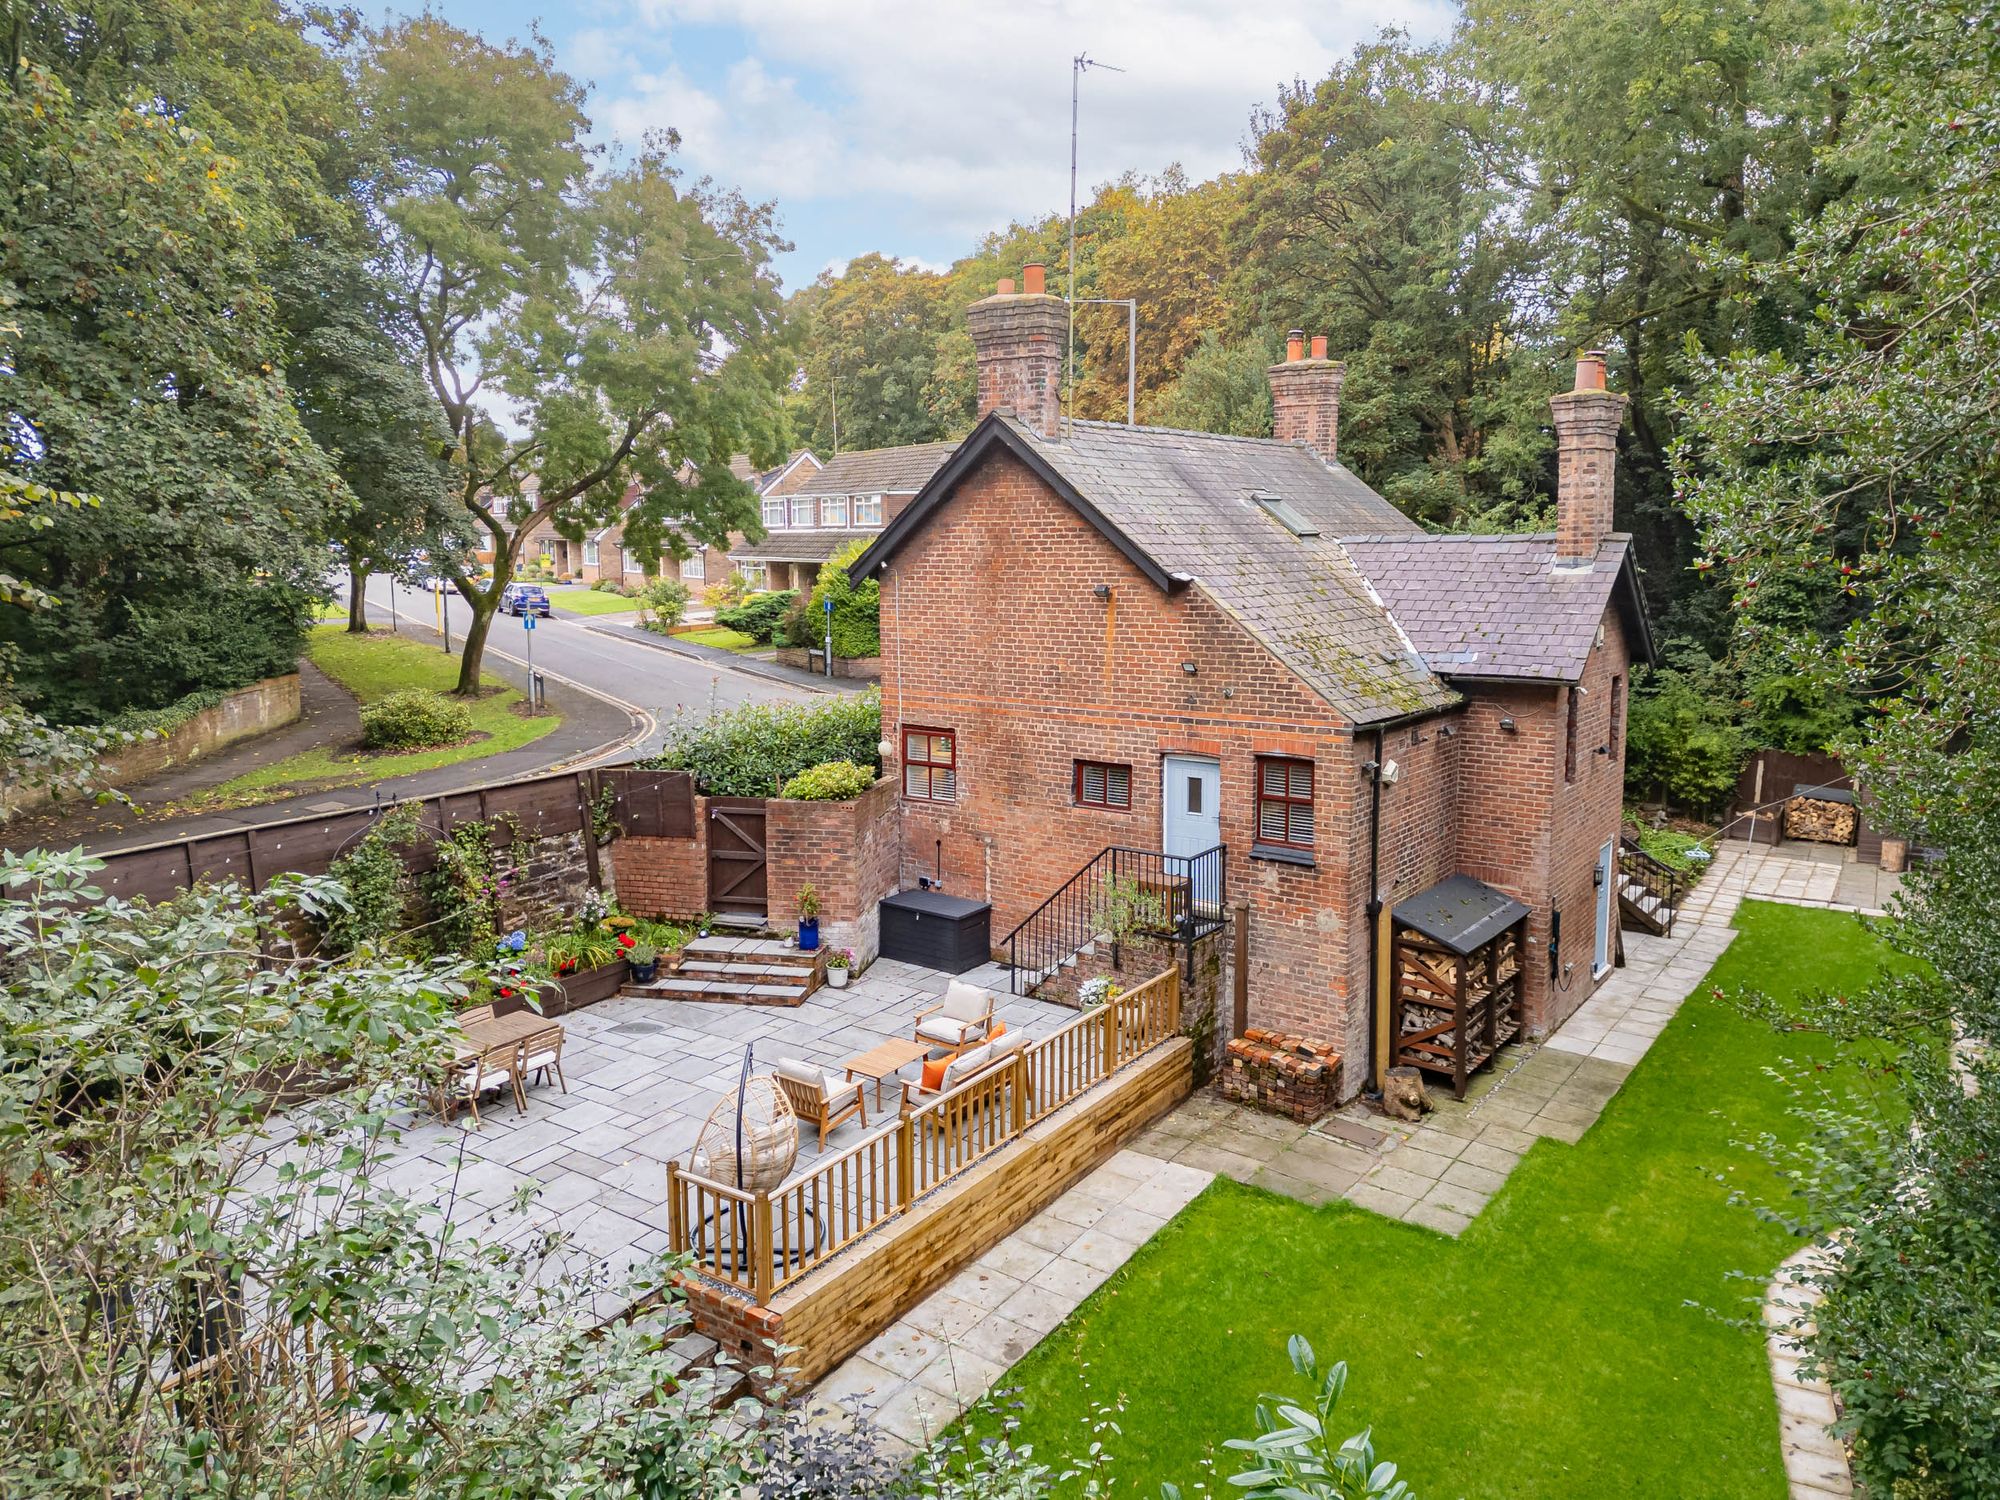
x: 879, y: 471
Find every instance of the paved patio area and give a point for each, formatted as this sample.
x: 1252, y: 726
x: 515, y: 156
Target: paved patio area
x: 643, y: 1075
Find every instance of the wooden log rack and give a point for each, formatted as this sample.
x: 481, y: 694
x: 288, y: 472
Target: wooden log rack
x: 1457, y: 992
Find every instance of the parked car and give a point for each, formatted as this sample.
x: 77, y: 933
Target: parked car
x: 524, y: 599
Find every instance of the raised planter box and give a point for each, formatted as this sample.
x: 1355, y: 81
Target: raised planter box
x: 572, y: 992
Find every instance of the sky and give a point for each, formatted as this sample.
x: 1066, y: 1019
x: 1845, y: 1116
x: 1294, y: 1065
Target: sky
x: 914, y: 129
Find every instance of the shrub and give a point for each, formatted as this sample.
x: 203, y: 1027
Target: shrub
x: 834, y: 781
x: 857, y: 609
x: 377, y: 886
x: 413, y: 720
x: 607, y: 586
x: 752, y: 751
x: 666, y: 599
x: 758, y: 616
x: 1683, y: 853
x: 728, y: 592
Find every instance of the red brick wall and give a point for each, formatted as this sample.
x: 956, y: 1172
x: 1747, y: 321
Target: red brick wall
x: 1527, y: 831
x: 847, y: 852
x: 990, y: 629
x: 664, y: 877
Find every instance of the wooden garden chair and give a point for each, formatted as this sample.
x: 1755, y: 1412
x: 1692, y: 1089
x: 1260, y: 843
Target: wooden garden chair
x: 967, y: 1066
x: 479, y: 1071
x: 819, y: 1097
x: 962, y: 1019
x: 541, y: 1054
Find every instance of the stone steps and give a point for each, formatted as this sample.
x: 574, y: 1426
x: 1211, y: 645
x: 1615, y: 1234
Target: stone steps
x: 738, y: 971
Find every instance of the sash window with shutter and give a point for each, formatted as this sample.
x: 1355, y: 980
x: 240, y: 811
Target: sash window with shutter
x: 930, y: 765
x: 1285, y: 803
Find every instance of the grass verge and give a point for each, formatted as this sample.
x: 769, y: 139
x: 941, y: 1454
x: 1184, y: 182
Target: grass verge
x: 370, y: 667
x: 721, y: 637
x: 1577, y: 1340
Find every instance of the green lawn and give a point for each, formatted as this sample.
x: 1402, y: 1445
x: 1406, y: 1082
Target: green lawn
x: 1572, y: 1342
x: 591, y: 602
x: 722, y: 637
x: 372, y: 666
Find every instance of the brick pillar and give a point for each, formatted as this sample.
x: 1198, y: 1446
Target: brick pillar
x: 1305, y: 396
x: 1587, y: 422
x: 1020, y: 338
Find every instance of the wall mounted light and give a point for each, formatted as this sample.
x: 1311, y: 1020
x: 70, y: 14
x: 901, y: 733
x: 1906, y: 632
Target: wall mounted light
x: 1507, y: 725
x: 1102, y: 590
x: 1189, y: 668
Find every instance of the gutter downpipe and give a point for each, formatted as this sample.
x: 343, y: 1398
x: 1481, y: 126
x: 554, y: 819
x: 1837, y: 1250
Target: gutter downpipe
x: 1374, y: 911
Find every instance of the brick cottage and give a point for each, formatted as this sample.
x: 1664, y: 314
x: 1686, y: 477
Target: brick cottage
x: 1099, y: 635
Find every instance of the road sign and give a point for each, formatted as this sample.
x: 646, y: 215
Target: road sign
x: 527, y: 620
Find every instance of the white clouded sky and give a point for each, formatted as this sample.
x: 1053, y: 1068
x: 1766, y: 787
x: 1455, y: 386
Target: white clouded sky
x: 915, y: 128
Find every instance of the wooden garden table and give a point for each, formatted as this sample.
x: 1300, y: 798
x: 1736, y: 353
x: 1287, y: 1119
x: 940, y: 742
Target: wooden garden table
x: 882, y: 1061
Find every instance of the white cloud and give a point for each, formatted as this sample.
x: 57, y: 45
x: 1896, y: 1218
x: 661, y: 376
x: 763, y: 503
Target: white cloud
x: 963, y: 109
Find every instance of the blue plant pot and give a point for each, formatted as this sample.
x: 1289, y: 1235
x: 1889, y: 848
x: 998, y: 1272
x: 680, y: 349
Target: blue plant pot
x: 643, y: 973
x: 808, y: 934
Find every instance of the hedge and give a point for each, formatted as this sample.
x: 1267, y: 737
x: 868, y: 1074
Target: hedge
x: 753, y: 750
x: 836, y: 781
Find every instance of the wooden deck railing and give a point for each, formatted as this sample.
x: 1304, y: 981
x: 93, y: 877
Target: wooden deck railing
x: 760, y: 1242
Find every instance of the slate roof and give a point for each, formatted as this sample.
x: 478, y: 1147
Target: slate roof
x: 880, y: 471
x: 1496, y: 606
x: 799, y: 546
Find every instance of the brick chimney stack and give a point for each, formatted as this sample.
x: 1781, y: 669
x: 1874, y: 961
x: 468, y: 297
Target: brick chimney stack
x: 1587, y: 422
x: 1019, y: 338
x: 1305, y: 396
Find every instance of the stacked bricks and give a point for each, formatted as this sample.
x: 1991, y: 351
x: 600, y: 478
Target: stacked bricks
x: 1587, y: 421
x: 847, y: 852
x: 1020, y: 339
x: 1289, y: 1075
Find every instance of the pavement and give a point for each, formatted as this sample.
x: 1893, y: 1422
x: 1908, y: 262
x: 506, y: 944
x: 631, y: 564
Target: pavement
x: 799, y: 677
x: 598, y: 653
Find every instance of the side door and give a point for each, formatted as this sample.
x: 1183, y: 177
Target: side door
x: 1191, y: 804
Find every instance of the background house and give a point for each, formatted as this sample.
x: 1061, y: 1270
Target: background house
x: 851, y: 497
x: 1098, y: 635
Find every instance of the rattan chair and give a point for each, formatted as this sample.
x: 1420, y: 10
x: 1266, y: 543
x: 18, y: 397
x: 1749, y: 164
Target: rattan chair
x: 749, y: 1143
x: 541, y: 1054
x: 820, y: 1098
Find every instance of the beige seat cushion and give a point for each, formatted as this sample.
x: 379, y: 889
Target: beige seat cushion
x: 965, y: 1002
x: 944, y: 1030
x: 966, y: 1064
x: 839, y: 1092
x: 804, y: 1072
x: 1007, y: 1046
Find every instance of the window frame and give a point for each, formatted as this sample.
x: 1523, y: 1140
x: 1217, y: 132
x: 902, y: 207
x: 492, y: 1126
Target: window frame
x: 949, y: 765
x: 805, y: 506
x: 590, y: 553
x: 1617, y: 726
x: 1104, y: 803
x: 1287, y: 800
x: 776, y: 513
x: 872, y: 505
x: 828, y: 506
x: 695, y: 565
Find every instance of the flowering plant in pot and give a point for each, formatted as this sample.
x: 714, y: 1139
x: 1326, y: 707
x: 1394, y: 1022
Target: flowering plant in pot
x: 839, y: 961
x: 808, y: 919
x: 642, y: 959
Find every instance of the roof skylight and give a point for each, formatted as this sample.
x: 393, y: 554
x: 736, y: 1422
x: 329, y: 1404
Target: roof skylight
x: 1285, y: 514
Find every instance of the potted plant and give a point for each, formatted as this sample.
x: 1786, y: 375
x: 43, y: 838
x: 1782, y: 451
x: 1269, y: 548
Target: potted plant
x: 838, y: 962
x: 642, y: 960
x: 808, y: 919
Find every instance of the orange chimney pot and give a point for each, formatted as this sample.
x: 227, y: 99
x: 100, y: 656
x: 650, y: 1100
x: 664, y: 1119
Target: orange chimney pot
x: 1034, y: 278
x: 1319, y: 346
x: 1590, y: 370
x: 1295, y: 344
x: 1006, y: 288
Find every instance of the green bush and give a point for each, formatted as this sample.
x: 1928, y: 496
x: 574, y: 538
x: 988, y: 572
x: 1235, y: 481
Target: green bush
x: 1683, y: 853
x: 1684, y: 740
x: 666, y: 599
x: 752, y: 751
x: 414, y: 720
x: 835, y: 781
x: 166, y: 720
x: 758, y: 616
x: 377, y: 885
x: 857, y: 607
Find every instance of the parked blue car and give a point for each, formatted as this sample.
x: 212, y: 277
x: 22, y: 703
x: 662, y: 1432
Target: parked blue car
x: 524, y: 599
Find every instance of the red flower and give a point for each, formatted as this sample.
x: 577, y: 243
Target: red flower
x: 505, y: 993
x: 625, y: 940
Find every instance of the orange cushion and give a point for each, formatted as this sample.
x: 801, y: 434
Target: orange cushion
x: 999, y: 1030
x: 934, y: 1073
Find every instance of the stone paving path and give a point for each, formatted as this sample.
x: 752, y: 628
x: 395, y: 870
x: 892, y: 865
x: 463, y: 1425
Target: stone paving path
x: 1815, y: 1460
x: 915, y: 1377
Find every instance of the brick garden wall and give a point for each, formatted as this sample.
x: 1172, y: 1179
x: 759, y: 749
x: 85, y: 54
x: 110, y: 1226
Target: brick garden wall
x: 990, y: 629
x: 664, y: 877
x: 847, y: 851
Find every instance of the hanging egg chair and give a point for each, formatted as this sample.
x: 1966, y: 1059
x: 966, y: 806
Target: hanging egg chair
x: 751, y: 1138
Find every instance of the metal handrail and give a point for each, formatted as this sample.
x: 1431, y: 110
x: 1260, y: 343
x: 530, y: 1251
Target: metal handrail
x: 1657, y: 876
x: 1193, y: 888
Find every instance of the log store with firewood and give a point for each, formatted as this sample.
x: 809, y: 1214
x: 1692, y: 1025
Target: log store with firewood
x: 1456, y: 972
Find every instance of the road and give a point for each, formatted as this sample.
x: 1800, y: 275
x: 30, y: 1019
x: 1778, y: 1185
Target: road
x: 655, y: 682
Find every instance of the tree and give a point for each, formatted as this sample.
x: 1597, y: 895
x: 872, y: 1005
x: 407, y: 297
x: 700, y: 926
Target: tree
x: 630, y: 327
x: 354, y: 377
x: 1379, y: 215
x: 870, y: 338
x: 147, y: 373
x: 1857, y: 463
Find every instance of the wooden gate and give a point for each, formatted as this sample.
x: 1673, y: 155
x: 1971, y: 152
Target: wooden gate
x: 736, y: 875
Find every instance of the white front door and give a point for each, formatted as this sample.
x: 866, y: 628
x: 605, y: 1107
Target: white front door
x: 1191, y: 799
x: 1607, y: 875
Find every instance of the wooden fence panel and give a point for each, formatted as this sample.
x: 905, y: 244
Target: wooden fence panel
x: 651, y: 804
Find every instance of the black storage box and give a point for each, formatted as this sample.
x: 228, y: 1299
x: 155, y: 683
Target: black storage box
x: 936, y: 930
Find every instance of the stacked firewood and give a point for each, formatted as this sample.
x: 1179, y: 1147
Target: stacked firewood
x: 1820, y: 820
